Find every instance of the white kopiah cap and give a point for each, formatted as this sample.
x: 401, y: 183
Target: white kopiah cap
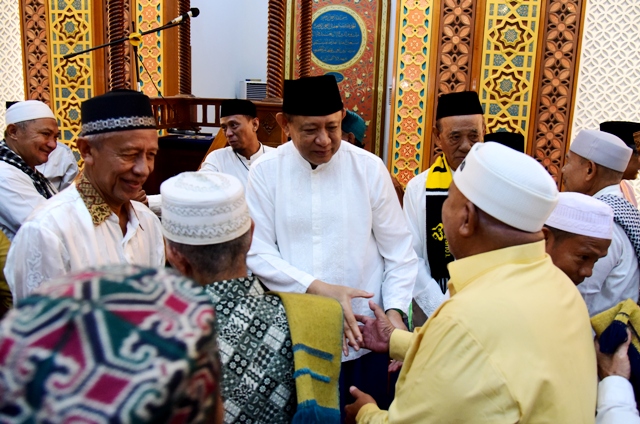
x: 603, y: 148
x: 28, y: 110
x: 200, y: 208
x: 508, y: 185
x: 584, y: 215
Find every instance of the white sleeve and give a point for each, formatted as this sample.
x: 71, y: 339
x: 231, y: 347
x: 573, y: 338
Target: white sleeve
x: 210, y: 163
x: 69, y: 170
x: 19, y: 199
x: 36, y: 255
x: 427, y: 292
x: 616, y: 402
x: 264, y: 258
x: 394, y: 243
x: 155, y: 203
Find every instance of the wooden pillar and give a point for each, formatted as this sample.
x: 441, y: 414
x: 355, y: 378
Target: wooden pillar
x: 275, y: 48
x: 118, y: 56
x: 184, y: 50
x: 306, y: 15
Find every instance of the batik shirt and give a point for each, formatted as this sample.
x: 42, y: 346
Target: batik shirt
x: 255, y: 351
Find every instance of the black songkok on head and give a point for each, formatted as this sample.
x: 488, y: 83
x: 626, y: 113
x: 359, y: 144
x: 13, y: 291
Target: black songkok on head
x: 458, y: 104
x: 238, y: 107
x: 509, y: 139
x: 623, y: 130
x: 312, y: 96
x: 118, y: 110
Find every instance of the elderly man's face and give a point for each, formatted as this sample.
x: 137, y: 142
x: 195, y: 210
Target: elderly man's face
x: 317, y: 138
x: 120, y: 163
x: 240, y: 131
x: 574, y: 173
x: 36, y: 141
x: 457, y: 135
x: 575, y: 255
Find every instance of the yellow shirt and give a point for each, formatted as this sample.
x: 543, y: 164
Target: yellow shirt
x: 513, y: 344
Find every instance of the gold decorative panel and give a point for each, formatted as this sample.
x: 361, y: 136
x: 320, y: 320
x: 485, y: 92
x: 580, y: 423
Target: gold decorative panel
x: 71, y: 82
x: 149, y: 15
x: 509, y: 54
x: 11, y: 76
x: 410, y: 101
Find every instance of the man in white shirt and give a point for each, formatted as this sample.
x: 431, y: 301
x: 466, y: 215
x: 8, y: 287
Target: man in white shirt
x: 29, y: 140
x: 239, y: 122
x: 94, y: 222
x: 328, y: 221
x: 595, y: 163
x: 459, y: 125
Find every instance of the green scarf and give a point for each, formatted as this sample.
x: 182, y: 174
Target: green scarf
x: 439, y: 179
x: 317, y: 355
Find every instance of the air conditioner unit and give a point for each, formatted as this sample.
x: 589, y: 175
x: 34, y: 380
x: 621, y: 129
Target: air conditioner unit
x: 252, y: 90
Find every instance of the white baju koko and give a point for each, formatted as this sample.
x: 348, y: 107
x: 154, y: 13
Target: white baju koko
x: 427, y: 292
x: 61, y: 168
x: 18, y: 198
x: 340, y: 223
x: 616, y: 402
x: 615, y: 277
x: 229, y: 162
x: 75, y: 230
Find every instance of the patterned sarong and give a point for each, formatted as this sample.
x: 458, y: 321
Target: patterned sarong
x: 439, y: 179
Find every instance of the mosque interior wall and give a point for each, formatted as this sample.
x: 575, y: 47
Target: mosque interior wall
x: 544, y: 68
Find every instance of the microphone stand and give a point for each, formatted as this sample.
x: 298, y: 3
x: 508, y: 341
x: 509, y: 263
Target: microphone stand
x: 134, y: 39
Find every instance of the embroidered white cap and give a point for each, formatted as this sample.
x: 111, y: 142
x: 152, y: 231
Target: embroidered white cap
x: 28, y: 110
x: 584, y: 215
x: 201, y: 208
x: 603, y: 148
x: 508, y: 185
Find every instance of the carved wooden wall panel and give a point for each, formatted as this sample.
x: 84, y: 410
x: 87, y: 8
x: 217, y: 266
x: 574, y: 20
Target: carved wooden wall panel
x: 556, y: 84
x: 35, y: 50
x: 118, y: 13
x: 11, y: 75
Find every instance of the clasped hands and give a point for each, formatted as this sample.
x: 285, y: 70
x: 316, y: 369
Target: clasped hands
x: 374, y: 333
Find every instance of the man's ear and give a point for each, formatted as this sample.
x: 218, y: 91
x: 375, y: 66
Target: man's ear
x: 86, y: 151
x: 255, y: 123
x: 282, y: 121
x: 351, y: 138
x: 178, y: 261
x: 548, y: 236
x: 436, y: 133
x: 469, y: 223
x: 12, y: 131
x: 591, y: 168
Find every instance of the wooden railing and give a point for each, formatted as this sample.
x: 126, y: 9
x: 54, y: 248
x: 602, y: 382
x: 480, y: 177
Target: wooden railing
x: 191, y: 113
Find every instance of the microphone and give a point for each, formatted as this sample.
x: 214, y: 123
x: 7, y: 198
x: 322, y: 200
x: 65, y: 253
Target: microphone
x: 192, y: 13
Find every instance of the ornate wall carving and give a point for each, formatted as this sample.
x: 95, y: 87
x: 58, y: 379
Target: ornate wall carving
x: 556, y: 84
x: 118, y: 56
x: 149, y: 14
x: 70, y: 29
x: 276, y: 48
x: 411, y: 97
x: 609, y: 79
x: 36, y: 50
x: 11, y: 76
x: 455, y: 50
x: 509, y: 53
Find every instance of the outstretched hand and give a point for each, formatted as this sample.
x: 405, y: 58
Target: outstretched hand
x: 376, y: 332
x: 344, y: 295
x: 361, y: 400
x: 617, y: 363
